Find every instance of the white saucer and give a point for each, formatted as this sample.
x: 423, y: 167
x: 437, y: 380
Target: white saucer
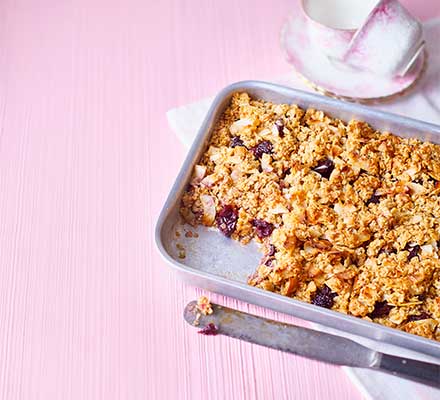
x: 339, y: 80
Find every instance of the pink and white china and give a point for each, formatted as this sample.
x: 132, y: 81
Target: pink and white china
x: 329, y: 43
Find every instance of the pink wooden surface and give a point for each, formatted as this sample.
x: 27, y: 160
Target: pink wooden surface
x: 87, y: 308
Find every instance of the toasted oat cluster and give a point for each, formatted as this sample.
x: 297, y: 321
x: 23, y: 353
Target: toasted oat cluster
x: 348, y: 217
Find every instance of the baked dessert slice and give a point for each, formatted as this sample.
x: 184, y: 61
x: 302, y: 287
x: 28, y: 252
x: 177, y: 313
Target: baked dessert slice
x: 348, y: 217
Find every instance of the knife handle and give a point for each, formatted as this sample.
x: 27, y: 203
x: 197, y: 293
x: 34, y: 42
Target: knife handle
x: 419, y: 371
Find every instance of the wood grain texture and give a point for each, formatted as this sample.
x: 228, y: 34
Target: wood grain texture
x: 87, y: 308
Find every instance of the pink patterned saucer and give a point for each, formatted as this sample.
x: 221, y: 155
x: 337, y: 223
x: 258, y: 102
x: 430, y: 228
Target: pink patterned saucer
x: 338, y: 80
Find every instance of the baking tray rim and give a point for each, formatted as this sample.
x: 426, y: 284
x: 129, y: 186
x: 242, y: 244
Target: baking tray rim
x: 181, y: 181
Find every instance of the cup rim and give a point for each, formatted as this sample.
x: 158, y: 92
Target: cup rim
x: 367, y: 20
x: 364, y: 24
x: 322, y: 25
x: 370, y: 15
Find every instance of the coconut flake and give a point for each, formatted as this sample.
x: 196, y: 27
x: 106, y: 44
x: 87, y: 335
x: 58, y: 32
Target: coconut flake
x: 215, y: 154
x: 416, y: 188
x: 275, y: 131
x: 199, y: 174
x: 208, y: 206
x: 345, y: 211
x: 338, y: 209
x: 236, y: 174
x: 361, y: 163
x: 209, y: 180
x: 237, y: 126
x: 308, y: 249
x: 279, y: 209
x: 265, y: 133
x: 427, y: 248
x: 411, y: 172
x: 416, y: 219
x: 266, y: 161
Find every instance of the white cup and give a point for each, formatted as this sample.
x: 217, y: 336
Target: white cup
x: 332, y: 24
x: 389, y: 41
x: 379, y: 36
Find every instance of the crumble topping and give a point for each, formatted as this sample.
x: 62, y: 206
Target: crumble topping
x: 204, y: 306
x: 348, y: 217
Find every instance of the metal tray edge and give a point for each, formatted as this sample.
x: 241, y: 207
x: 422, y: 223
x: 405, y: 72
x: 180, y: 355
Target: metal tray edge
x: 268, y: 299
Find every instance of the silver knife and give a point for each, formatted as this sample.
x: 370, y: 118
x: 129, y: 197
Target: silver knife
x: 308, y: 343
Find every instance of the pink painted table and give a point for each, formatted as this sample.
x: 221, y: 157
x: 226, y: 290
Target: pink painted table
x: 87, y: 308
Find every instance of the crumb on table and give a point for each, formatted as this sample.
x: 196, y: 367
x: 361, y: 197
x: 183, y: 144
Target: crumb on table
x: 204, y: 305
x: 209, y: 330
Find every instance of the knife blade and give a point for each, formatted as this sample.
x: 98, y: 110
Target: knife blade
x: 309, y: 343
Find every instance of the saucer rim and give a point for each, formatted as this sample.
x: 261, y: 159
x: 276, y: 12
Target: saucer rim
x: 369, y: 100
x: 355, y: 99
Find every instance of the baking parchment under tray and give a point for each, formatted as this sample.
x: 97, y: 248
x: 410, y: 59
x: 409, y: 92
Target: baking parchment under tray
x: 214, y: 262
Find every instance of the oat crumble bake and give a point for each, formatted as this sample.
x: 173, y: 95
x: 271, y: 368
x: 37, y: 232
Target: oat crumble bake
x: 348, y: 217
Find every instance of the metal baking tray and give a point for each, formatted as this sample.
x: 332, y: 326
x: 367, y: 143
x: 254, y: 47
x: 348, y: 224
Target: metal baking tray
x: 216, y: 263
